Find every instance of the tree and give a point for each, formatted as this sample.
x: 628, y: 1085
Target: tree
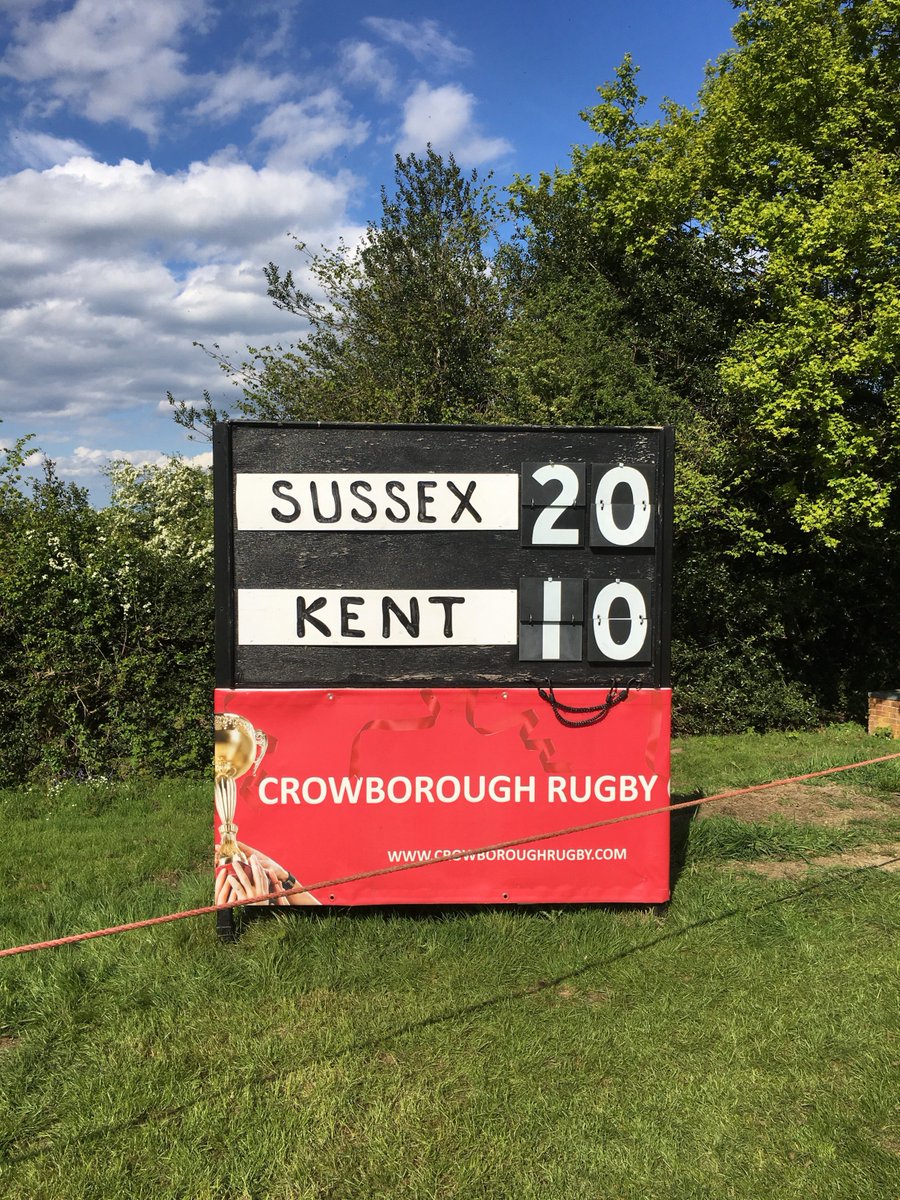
x: 789, y: 168
x: 802, y: 176
x: 792, y: 161
x: 407, y: 324
x: 624, y: 303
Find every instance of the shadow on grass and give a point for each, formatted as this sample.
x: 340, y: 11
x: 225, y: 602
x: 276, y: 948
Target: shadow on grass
x: 679, y: 832
x: 854, y: 876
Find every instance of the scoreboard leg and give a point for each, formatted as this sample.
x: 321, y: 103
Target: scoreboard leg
x: 226, y: 927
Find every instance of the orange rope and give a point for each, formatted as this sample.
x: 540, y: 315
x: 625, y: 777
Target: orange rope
x: 521, y: 841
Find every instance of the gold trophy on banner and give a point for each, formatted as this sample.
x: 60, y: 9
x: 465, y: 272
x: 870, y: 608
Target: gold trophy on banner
x: 238, y: 748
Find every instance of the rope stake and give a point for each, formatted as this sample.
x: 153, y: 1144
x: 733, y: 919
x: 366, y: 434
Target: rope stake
x: 71, y: 939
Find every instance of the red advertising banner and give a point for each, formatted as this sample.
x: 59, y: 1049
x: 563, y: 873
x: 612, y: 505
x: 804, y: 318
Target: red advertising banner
x: 317, y: 784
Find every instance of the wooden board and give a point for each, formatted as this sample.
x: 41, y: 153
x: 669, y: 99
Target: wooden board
x: 434, y: 561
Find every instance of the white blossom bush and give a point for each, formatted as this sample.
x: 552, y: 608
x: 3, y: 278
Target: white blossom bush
x: 106, y: 623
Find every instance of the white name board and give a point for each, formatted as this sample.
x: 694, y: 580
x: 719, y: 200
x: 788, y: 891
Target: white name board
x: 377, y: 503
x: 368, y: 617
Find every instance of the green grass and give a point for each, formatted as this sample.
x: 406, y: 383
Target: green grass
x: 713, y: 764
x: 777, y: 840
x: 743, y: 1045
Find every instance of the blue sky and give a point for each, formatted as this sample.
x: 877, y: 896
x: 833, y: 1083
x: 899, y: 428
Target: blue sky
x: 155, y: 154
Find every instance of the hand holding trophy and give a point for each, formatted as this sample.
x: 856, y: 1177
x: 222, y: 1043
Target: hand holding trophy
x: 238, y: 748
x: 243, y: 873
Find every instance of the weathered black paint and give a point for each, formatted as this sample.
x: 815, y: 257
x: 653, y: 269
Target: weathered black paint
x: 422, y: 559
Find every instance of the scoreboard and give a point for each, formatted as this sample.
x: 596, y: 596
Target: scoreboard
x: 394, y: 607
x: 383, y: 556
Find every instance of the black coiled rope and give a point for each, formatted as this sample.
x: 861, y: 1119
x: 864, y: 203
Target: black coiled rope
x: 597, y: 712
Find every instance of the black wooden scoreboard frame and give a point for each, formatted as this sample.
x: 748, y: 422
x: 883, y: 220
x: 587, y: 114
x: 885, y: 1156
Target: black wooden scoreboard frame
x: 565, y: 471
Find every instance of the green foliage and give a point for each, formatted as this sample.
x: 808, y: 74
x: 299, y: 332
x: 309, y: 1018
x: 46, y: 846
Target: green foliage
x: 632, y: 329
x: 732, y: 269
x: 106, y: 624
x: 788, y: 171
x: 803, y: 177
x: 737, y: 686
x: 565, y: 360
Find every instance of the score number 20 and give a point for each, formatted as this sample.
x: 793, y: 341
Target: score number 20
x: 556, y: 512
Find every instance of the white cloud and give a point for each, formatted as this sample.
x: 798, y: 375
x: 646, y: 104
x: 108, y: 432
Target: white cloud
x: 18, y: 7
x: 243, y: 85
x: 309, y: 129
x: 265, y: 40
x: 87, y: 208
x: 87, y: 461
x: 422, y: 39
x: 364, y: 65
x: 108, y: 59
x: 34, y: 149
x: 88, y: 464
x: 444, y: 116
x: 30, y: 148
x: 112, y: 271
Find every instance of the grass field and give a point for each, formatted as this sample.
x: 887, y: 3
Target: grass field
x: 743, y: 1044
